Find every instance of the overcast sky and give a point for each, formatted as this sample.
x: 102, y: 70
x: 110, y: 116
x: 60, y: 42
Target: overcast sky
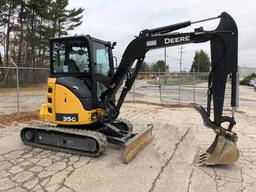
x: 119, y: 20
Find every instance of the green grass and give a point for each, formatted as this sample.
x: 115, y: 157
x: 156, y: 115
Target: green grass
x: 173, y: 82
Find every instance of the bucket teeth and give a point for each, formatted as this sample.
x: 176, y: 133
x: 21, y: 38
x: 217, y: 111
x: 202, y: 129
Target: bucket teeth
x: 204, y: 155
x: 223, y: 151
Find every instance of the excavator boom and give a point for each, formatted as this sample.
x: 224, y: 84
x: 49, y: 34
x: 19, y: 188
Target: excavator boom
x: 224, y: 48
x: 223, y: 40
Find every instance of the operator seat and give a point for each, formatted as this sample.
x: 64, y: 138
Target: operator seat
x: 72, y: 67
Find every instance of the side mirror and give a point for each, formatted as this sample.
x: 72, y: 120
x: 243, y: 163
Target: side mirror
x: 113, y: 45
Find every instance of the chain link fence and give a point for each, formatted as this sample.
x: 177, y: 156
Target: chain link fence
x: 24, y: 89
x: 174, y: 88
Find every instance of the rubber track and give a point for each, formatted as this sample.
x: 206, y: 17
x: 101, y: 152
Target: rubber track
x: 99, y: 137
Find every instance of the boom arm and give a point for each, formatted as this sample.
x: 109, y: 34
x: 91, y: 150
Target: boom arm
x: 223, y: 40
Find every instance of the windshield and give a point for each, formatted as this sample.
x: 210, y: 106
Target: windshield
x: 70, y: 57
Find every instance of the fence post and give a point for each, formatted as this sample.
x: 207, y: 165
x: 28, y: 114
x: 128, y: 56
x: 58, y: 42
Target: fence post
x: 17, y: 86
x: 194, y: 83
x: 160, y: 91
x: 155, y: 83
x: 17, y: 89
x: 179, y: 85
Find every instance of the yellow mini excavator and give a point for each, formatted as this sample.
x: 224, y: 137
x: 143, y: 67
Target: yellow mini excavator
x: 82, y: 107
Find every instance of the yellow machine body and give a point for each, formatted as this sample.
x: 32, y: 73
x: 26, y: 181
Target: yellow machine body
x: 61, y: 100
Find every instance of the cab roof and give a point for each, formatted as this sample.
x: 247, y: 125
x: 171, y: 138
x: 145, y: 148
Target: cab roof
x: 87, y: 37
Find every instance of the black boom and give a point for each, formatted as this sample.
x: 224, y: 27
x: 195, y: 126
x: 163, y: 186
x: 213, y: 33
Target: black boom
x: 223, y: 40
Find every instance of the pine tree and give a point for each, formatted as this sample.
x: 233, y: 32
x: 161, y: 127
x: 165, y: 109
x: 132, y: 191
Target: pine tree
x: 63, y: 19
x: 28, y: 25
x: 8, y: 22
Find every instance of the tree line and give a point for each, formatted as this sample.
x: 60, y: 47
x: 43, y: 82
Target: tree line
x: 27, y: 25
x: 159, y: 66
x: 201, y: 63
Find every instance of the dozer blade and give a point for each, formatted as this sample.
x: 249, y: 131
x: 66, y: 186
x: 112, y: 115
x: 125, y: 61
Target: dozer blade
x: 222, y: 151
x: 136, y: 144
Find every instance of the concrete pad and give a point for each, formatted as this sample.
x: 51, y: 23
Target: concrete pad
x: 169, y: 163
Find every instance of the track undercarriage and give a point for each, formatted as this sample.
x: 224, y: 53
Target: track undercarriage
x: 88, y: 140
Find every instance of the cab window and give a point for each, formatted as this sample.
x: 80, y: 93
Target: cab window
x: 101, y: 58
x: 70, y: 57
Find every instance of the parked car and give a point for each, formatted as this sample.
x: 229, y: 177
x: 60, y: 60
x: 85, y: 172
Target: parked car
x: 252, y: 82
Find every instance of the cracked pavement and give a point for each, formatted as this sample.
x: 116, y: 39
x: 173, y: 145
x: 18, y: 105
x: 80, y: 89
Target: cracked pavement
x: 169, y: 163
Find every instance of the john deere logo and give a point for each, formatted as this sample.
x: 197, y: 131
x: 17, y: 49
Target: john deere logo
x: 176, y: 40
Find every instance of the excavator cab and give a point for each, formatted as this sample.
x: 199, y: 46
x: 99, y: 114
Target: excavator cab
x: 80, y: 69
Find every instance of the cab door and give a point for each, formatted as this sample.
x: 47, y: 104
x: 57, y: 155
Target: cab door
x: 104, y: 69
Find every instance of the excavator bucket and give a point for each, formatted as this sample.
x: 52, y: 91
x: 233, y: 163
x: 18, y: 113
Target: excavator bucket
x: 136, y: 144
x: 222, y: 151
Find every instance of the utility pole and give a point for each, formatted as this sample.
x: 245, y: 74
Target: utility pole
x: 165, y: 66
x: 165, y: 59
x: 181, y: 52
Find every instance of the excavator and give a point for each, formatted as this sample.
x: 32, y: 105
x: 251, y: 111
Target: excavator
x: 83, y: 103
